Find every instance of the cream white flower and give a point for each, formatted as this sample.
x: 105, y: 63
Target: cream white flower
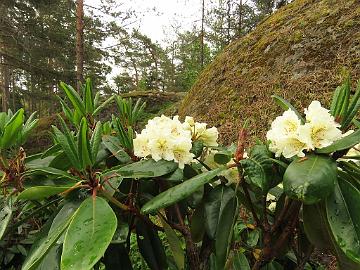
x: 315, y: 112
x: 283, y: 136
x: 169, y: 139
x: 161, y: 147
x: 182, y: 153
x: 319, y: 134
x: 209, y: 136
x: 141, y: 145
x: 289, y: 137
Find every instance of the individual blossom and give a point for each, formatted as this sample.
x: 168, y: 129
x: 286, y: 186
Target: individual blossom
x: 161, y: 147
x: 141, y: 145
x: 283, y: 136
x: 320, y: 129
x: 182, y: 153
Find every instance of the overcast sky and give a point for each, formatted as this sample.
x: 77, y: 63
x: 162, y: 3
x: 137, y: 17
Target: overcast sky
x: 156, y: 18
x: 157, y: 24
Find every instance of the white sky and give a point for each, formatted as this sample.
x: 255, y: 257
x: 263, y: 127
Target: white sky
x: 157, y: 19
x: 157, y: 24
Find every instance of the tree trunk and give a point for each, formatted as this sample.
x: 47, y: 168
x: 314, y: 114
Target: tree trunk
x: 79, y: 43
x: 240, y: 18
x: 5, y: 84
x: 228, y: 29
x: 202, y: 33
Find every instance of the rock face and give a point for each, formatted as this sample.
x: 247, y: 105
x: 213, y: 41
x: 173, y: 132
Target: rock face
x: 301, y: 53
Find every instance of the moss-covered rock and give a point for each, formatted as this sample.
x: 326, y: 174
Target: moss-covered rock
x: 300, y: 53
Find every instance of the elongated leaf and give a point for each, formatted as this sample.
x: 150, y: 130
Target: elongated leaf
x: 285, y: 105
x: 225, y: 232
x: 51, y: 151
x: 150, y: 246
x: 341, y: 99
x: 179, y: 192
x: 52, y: 171
x: 319, y: 233
x: 103, y: 105
x: 343, y: 208
x: 310, y: 180
x: 51, y: 260
x: 95, y: 141
x: 88, y: 98
x: 114, y: 146
x: 11, y: 129
x: 345, y: 104
x: 335, y: 100
x: 240, y: 262
x: 88, y: 235
x: 147, y: 168
x: 67, y: 111
x: 342, y: 144
x: 197, y: 223
x: 68, y: 146
x: 5, y: 213
x: 353, y: 108
x: 74, y: 98
x: 84, y: 149
x: 175, y: 245
x: 214, y: 204
x: 41, y: 192
x: 43, y: 245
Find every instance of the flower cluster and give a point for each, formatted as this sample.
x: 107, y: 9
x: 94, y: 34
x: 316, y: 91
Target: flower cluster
x: 170, y: 139
x: 289, y: 137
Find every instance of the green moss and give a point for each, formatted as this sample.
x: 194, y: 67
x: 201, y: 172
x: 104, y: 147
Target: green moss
x: 295, y: 53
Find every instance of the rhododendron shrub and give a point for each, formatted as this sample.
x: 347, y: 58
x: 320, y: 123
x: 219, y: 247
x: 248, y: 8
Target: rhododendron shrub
x: 107, y: 192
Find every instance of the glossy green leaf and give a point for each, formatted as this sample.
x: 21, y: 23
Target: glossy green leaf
x: 95, y: 141
x: 150, y: 246
x: 224, y: 233
x: 240, y: 262
x: 285, y: 105
x: 175, y: 245
x: 197, y: 228
x: 353, y: 109
x: 52, y: 171
x: 197, y: 148
x: 5, y: 213
x: 179, y: 192
x: 11, y: 129
x: 67, y: 111
x: 51, y: 260
x: 214, y: 203
x: 103, y: 105
x: 88, y: 97
x: 319, y: 233
x: 42, y: 246
x: 147, y: 168
x: 88, y: 235
x: 114, y: 146
x: 67, y: 143
x: 343, y: 208
x: 84, y: 149
x: 258, y: 167
x: 41, y: 192
x: 310, y: 180
x: 66, y: 212
x: 74, y: 98
x: 342, y: 144
x: 222, y: 157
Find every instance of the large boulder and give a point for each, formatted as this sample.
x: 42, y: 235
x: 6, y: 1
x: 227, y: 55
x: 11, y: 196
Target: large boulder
x: 301, y: 53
